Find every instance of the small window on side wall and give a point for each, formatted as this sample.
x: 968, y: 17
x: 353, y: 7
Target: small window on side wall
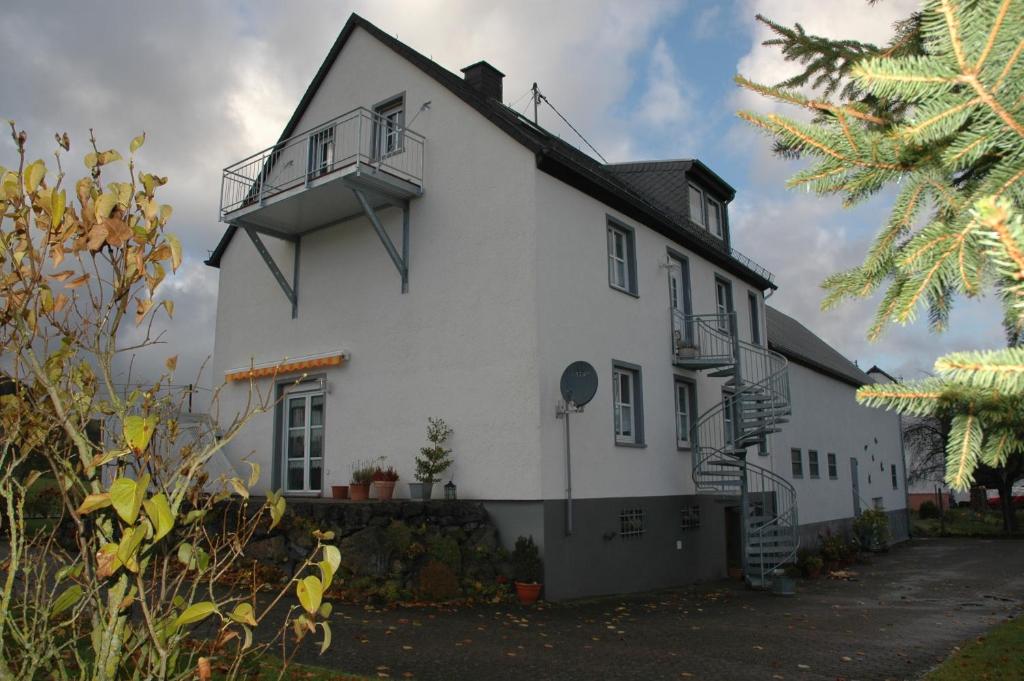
x: 833, y: 469
x: 797, y: 459
x: 621, y: 258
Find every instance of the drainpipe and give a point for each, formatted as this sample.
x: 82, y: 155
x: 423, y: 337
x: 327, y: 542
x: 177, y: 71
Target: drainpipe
x: 564, y: 409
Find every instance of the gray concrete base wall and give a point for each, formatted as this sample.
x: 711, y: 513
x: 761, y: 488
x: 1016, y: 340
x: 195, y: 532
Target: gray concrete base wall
x: 596, y: 559
x: 810, y: 534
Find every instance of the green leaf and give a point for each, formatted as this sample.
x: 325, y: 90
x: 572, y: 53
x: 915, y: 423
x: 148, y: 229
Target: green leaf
x: 138, y: 431
x: 66, y: 599
x: 327, y: 637
x: 247, y: 643
x: 310, y: 592
x: 196, y: 612
x: 137, y: 142
x: 159, y: 512
x: 325, y: 610
x: 185, y: 554
x: 244, y: 614
x: 129, y: 546
x: 104, y: 204
x: 94, y: 502
x: 276, y: 502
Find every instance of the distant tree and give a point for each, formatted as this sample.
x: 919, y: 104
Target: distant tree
x: 938, y: 116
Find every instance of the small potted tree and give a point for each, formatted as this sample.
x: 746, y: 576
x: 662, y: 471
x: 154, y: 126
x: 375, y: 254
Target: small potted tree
x: 433, y: 459
x: 384, y: 480
x: 362, y: 476
x: 528, y: 570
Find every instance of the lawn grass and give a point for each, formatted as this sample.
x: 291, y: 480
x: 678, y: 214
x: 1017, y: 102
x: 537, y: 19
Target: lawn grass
x: 999, y: 654
x: 963, y: 522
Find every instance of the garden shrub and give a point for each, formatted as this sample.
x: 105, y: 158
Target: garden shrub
x: 437, y: 582
x: 928, y: 510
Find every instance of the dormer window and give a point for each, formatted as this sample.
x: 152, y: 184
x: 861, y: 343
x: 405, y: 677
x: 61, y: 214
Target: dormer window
x: 707, y: 212
x: 697, y: 206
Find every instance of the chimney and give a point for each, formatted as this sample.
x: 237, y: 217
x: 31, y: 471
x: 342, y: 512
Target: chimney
x: 485, y: 78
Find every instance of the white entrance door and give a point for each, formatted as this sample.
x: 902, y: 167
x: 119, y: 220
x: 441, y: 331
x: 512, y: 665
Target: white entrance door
x: 304, y: 441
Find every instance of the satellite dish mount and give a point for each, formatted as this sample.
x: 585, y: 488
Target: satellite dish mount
x: 578, y: 387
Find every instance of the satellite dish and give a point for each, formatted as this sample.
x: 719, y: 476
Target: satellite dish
x: 579, y: 383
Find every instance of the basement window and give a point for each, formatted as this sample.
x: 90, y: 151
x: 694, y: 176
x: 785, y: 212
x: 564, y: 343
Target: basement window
x: 690, y: 517
x: 631, y: 523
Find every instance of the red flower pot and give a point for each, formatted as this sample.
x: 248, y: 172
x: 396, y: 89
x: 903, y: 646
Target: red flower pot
x: 359, y: 491
x: 385, y: 489
x: 339, y: 491
x: 527, y: 592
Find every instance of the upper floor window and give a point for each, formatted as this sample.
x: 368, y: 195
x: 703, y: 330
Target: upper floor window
x: 812, y: 463
x: 684, y: 412
x: 389, y: 123
x: 697, y: 206
x: 627, y: 401
x: 707, y: 212
x: 621, y: 258
x: 715, y: 218
x: 729, y: 417
x: 723, y: 302
x: 833, y: 469
x: 321, y: 152
x: 755, y: 319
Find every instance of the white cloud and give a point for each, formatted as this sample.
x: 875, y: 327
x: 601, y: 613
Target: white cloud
x: 663, y: 104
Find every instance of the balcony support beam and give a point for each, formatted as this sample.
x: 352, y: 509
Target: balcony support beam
x: 401, y: 261
x: 291, y: 290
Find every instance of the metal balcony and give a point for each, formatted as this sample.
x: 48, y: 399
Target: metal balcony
x: 297, y: 185
x: 703, y: 341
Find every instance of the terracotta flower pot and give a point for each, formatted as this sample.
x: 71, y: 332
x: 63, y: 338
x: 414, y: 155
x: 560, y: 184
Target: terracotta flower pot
x: 528, y: 592
x: 359, y: 491
x: 339, y: 491
x: 385, y: 489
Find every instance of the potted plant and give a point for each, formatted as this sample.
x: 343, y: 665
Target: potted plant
x: 810, y: 564
x: 362, y: 476
x: 339, y: 491
x: 433, y: 459
x: 384, y: 480
x: 527, y: 569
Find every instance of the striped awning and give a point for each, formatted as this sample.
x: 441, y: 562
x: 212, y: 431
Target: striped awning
x: 297, y: 365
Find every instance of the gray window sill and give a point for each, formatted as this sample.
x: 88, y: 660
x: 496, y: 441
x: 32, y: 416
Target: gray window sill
x: 634, y: 445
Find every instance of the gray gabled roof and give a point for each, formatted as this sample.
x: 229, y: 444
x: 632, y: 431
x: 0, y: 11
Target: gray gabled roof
x: 789, y: 337
x: 554, y: 156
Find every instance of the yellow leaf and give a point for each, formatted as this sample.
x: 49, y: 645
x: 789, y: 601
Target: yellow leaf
x: 326, y: 573
x: 138, y: 431
x: 169, y: 306
x: 104, y: 204
x: 175, y: 245
x: 244, y: 614
x: 94, y: 502
x: 159, y: 512
x: 75, y: 283
x: 58, y: 203
x: 196, y: 612
x: 310, y: 592
x: 171, y: 363
x: 333, y: 556
x: 239, y: 487
x: 137, y: 142
x: 106, y: 457
x: 327, y: 637
x: 34, y: 174
x: 123, y: 493
x: 90, y: 160
x: 129, y: 546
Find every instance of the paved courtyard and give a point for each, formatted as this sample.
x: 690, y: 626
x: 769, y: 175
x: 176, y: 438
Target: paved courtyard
x: 902, y: 615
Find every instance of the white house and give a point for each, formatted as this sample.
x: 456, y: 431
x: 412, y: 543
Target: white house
x: 415, y: 248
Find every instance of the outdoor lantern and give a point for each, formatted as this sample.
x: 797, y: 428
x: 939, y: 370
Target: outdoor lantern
x: 449, y: 491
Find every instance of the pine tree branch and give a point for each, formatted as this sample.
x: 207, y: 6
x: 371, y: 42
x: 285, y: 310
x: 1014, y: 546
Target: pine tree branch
x: 993, y: 104
x: 953, y: 26
x: 990, y: 43
x: 1008, y: 67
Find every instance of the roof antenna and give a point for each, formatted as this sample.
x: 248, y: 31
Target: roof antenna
x: 536, y: 101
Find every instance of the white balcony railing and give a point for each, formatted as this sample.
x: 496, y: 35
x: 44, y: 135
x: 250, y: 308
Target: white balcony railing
x: 360, y: 139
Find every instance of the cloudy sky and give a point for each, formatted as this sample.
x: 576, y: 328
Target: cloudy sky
x: 212, y: 82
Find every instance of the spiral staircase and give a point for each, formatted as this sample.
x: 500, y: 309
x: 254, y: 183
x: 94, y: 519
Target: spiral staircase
x: 755, y: 404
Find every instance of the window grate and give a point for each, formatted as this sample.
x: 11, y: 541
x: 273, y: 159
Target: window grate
x: 690, y: 517
x: 631, y: 523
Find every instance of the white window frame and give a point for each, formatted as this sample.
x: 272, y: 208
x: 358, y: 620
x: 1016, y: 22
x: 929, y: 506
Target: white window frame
x: 321, y: 152
x: 729, y: 417
x: 813, y: 464
x: 629, y: 432
x: 389, y: 127
x: 723, y: 303
x: 833, y: 466
x: 796, y: 465
x: 616, y: 259
x: 307, y: 395
x: 684, y: 398
x: 680, y: 299
x: 703, y: 221
x: 718, y: 228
